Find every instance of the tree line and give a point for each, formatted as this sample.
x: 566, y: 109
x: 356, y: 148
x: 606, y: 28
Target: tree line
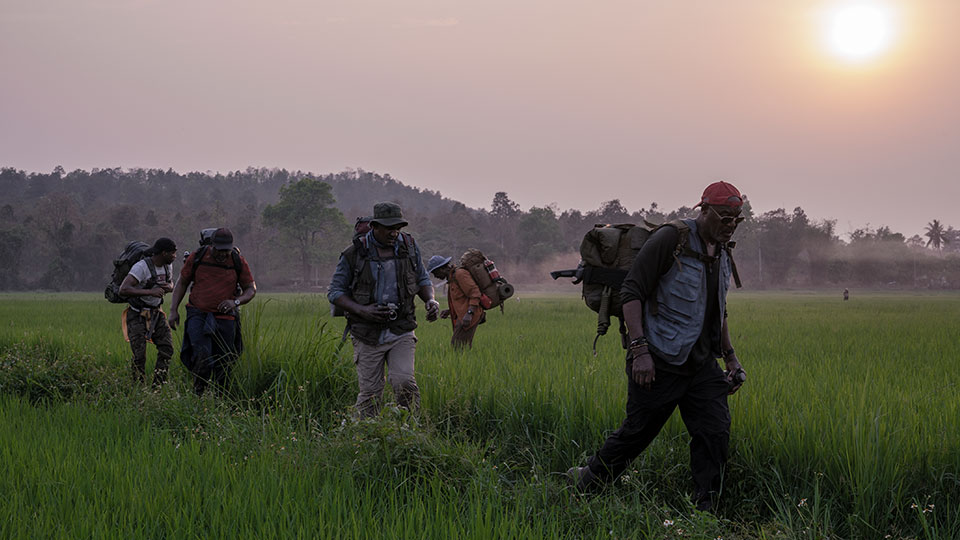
x: 61, y: 230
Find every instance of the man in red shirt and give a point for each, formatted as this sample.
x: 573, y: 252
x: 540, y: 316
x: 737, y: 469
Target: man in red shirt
x: 212, y: 340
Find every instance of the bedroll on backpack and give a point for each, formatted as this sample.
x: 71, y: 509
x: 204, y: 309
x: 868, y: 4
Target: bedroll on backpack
x: 121, y: 267
x: 483, y: 271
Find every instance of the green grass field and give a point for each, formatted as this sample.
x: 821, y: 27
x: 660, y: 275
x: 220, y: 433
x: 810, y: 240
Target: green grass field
x: 846, y: 428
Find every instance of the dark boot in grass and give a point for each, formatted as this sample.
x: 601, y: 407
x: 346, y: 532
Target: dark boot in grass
x: 583, y: 480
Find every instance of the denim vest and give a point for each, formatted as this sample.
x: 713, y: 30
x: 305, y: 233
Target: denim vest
x: 673, y: 324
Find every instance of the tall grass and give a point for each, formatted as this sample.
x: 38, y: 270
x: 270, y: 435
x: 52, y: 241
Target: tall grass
x: 844, y: 429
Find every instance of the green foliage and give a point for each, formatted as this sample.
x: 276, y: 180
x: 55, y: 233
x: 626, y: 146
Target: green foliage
x: 307, y: 220
x: 60, y: 230
x: 845, y: 429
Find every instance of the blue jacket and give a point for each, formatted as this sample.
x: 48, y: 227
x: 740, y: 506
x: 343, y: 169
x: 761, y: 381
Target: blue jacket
x: 673, y: 321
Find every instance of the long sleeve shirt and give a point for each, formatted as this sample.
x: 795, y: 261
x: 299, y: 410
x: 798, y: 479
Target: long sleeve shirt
x: 463, y: 294
x: 385, y: 274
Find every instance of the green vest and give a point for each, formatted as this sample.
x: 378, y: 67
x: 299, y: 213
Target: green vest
x: 363, y: 287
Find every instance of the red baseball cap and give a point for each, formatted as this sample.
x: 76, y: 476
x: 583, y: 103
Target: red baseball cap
x: 721, y: 194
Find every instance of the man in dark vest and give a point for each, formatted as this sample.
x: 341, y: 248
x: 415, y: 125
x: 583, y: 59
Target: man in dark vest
x: 674, y: 305
x: 375, y: 283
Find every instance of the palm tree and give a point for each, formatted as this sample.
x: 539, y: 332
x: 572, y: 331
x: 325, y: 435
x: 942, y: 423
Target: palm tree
x: 936, y: 235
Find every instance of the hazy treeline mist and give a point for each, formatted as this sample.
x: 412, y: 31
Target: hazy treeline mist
x: 60, y: 230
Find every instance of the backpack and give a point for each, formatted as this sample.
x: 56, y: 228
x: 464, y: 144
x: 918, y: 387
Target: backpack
x: 206, y: 241
x: 493, y: 287
x: 121, y: 267
x: 362, y: 226
x: 607, y: 253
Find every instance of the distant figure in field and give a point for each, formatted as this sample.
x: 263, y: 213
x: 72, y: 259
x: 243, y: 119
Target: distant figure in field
x: 211, y: 338
x: 146, y: 283
x: 463, y: 300
x: 676, y: 317
x: 846, y: 294
x: 376, y: 282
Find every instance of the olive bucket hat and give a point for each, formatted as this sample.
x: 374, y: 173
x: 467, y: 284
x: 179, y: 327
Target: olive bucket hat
x: 388, y: 214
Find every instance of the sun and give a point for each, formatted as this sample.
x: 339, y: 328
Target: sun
x: 860, y: 30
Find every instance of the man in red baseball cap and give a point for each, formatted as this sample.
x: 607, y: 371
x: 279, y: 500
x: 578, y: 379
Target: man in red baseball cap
x: 674, y: 306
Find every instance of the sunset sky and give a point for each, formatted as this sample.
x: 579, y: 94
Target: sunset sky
x: 849, y: 109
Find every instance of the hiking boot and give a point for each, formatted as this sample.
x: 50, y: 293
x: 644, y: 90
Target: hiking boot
x: 582, y: 479
x: 706, y: 502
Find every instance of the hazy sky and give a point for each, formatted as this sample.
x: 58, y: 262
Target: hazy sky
x: 552, y: 101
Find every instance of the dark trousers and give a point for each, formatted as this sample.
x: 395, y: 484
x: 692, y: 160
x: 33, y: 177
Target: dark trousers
x: 463, y: 337
x: 213, y: 350
x: 151, y: 324
x: 702, y: 399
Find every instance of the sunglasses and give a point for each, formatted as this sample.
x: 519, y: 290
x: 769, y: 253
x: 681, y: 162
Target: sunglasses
x: 727, y: 220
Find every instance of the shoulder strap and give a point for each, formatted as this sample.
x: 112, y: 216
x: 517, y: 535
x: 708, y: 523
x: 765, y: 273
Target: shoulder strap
x: 733, y: 264
x: 197, y: 257
x: 234, y: 253
x: 356, y: 254
x: 237, y: 262
x: 411, y: 245
x: 153, y: 271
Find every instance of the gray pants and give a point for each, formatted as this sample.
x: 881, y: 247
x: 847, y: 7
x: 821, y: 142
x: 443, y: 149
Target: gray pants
x: 370, y: 360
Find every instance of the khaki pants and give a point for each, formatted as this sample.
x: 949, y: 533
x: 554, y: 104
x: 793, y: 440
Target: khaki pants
x: 398, y: 357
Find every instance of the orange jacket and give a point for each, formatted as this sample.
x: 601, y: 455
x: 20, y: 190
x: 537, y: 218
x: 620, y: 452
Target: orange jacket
x: 463, y: 294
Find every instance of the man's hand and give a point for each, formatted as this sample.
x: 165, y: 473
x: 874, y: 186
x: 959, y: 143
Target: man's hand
x: 157, y: 292
x: 433, y: 309
x: 736, y: 376
x: 445, y: 314
x: 173, y: 320
x: 167, y: 287
x: 642, y: 369
x: 226, y: 306
x: 374, y: 312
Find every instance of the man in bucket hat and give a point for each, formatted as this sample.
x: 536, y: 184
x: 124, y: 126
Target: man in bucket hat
x: 674, y: 307
x: 375, y: 283
x: 463, y: 300
x: 222, y: 282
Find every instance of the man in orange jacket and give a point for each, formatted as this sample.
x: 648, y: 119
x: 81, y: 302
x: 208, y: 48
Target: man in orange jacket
x: 463, y: 300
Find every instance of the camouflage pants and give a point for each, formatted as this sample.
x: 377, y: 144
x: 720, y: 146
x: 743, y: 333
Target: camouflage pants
x: 371, y: 360
x: 138, y: 329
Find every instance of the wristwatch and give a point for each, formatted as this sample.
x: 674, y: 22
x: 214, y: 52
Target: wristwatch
x: 236, y: 302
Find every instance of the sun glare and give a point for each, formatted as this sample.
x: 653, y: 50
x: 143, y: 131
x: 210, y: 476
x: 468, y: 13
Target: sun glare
x: 858, y: 31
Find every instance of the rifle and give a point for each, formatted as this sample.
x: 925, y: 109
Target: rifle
x: 575, y: 273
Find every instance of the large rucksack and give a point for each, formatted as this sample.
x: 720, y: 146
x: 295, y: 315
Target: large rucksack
x: 607, y: 253
x: 121, y: 267
x: 484, y: 272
